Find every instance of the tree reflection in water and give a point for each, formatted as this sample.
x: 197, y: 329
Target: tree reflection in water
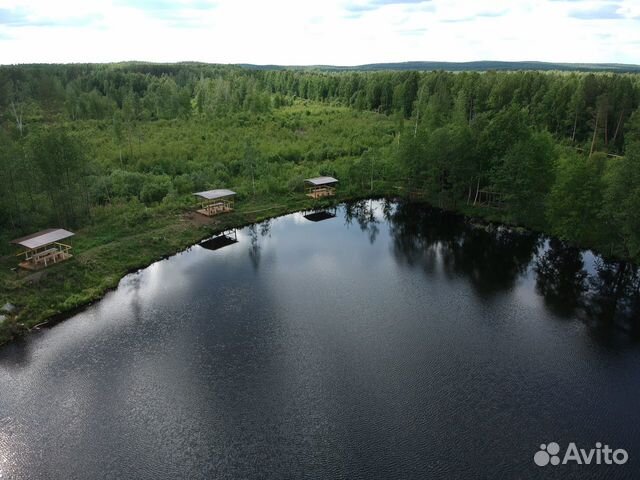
x: 256, y: 231
x: 363, y: 212
x: 613, y: 298
x: 560, y: 277
x: 607, y: 300
x: 493, y: 258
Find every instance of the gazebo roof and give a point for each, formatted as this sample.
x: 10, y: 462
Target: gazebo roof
x: 321, y: 180
x: 45, y: 237
x: 213, y: 194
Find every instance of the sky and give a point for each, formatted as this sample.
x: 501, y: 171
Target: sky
x: 313, y: 32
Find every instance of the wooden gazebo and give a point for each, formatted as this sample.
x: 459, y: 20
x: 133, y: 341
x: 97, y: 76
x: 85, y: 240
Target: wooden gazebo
x: 214, y: 202
x: 43, y: 249
x: 318, y: 187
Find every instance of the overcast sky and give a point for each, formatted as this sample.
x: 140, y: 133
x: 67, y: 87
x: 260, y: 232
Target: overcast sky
x: 304, y: 32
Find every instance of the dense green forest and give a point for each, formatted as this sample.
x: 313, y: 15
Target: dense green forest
x: 554, y: 151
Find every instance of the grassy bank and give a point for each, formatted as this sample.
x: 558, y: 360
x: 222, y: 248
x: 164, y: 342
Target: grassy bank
x: 107, y: 251
x: 130, y: 204
x: 104, y: 253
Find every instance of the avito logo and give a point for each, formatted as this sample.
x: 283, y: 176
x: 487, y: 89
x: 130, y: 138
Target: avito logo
x: 550, y: 454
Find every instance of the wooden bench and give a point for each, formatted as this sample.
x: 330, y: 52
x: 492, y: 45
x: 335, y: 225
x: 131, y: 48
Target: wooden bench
x: 211, y: 209
x: 321, y: 192
x: 50, y: 255
x: 36, y: 257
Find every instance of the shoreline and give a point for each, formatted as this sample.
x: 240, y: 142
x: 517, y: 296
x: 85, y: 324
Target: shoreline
x: 194, y: 229
x: 65, y: 315
x: 27, y: 321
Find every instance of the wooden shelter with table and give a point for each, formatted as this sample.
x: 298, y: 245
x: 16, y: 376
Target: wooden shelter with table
x: 319, y: 187
x: 43, y: 249
x: 214, y: 202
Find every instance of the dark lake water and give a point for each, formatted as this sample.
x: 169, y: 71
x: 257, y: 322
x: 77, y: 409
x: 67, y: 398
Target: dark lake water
x: 387, y: 341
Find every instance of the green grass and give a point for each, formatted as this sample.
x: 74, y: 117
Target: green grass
x: 102, y: 256
x: 126, y: 231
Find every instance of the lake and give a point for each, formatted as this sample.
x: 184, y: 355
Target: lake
x: 373, y: 340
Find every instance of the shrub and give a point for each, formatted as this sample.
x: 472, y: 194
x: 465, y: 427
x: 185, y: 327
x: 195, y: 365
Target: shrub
x: 155, y: 189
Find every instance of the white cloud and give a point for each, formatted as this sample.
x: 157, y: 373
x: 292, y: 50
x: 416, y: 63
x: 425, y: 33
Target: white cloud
x: 341, y: 32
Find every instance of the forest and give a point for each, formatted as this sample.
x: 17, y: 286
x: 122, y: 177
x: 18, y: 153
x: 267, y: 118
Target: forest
x: 115, y: 152
x: 553, y: 151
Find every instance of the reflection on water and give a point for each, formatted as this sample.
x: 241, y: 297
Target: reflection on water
x: 220, y: 241
x: 606, y: 299
x: 320, y: 215
x: 561, y: 278
x: 392, y: 341
x: 494, y: 258
x: 491, y: 258
x: 613, y: 298
x: 363, y: 212
x: 256, y: 231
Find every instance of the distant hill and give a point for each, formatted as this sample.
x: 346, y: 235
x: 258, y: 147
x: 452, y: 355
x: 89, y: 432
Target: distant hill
x: 479, y: 66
